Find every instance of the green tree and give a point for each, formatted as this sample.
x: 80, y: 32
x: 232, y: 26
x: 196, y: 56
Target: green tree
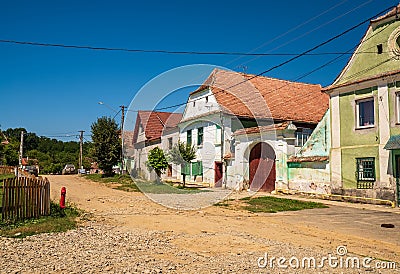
x: 106, y: 144
x: 11, y: 154
x: 182, y: 154
x: 157, y: 161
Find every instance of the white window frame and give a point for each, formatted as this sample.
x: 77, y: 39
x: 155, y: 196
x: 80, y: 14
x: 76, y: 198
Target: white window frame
x: 358, y: 126
x: 397, y: 107
x: 218, y: 133
x: 170, y: 142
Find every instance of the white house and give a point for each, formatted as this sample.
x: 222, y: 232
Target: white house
x: 152, y: 129
x: 245, y: 127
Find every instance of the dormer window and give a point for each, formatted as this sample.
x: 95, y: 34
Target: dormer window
x: 379, y: 47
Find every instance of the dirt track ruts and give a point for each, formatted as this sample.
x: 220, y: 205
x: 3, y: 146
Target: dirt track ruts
x: 127, y: 232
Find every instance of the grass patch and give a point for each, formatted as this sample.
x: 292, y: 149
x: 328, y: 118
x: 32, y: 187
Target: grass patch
x: 121, y: 182
x: 125, y: 183
x: 166, y: 188
x: 268, y: 204
x: 271, y: 204
x: 6, y: 176
x: 58, y: 221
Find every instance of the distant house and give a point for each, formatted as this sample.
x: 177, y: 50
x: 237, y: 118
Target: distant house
x: 246, y: 127
x: 152, y: 129
x: 365, y: 115
x: 94, y: 168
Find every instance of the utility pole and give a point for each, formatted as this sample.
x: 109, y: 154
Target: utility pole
x: 122, y: 137
x: 21, y: 148
x: 81, y: 149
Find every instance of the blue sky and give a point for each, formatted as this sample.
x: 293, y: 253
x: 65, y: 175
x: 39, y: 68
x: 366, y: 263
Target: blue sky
x: 55, y: 91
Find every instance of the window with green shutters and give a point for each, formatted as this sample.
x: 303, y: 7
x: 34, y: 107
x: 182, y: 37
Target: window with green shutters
x: 197, y: 168
x: 189, y: 137
x: 185, y: 169
x: 199, y: 136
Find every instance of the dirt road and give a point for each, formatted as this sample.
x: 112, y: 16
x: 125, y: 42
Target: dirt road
x: 216, y: 233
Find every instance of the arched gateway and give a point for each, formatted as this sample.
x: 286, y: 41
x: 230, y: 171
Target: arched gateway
x: 262, y: 173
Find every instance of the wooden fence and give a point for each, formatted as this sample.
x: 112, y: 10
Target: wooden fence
x: 25, y: 198
x: 7, y: 169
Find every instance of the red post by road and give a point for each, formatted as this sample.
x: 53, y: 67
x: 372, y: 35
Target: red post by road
x: 62, y: 198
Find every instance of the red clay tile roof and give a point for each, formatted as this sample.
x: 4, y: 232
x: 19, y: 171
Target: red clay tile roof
x: 245, y: 95
x: 154, y: 122
x: 392, y: 12
x: 251, y: 130
x: 385, y: 74
x: 24, y: 161
x: 294, y: 159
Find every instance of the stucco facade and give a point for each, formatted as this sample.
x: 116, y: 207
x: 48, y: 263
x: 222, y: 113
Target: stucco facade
x: 365, y: 114
x: 233, y: 129
x: 153, y: 129
x: 202, y: 113
x: 309, y: 168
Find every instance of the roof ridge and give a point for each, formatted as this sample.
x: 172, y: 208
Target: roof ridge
x: 159, y: 111
x: 393, y: 12
x: 265, y: 77
x: 161, y: 121
x: 282, y: 80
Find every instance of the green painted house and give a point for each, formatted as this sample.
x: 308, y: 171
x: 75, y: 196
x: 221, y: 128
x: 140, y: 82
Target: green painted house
x: 365, y: 116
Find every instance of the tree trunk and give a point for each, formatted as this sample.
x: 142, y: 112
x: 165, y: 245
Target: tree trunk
x: 158, y: 179
x: 184, y: 179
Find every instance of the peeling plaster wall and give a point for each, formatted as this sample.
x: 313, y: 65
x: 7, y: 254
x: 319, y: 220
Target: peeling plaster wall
x: 310, y: 177
x: 313, y: 177
x: 319, y: 143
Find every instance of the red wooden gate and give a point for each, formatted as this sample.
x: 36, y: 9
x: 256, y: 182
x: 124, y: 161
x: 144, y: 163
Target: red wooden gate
x: 218, y: 174
x: 262, y: 168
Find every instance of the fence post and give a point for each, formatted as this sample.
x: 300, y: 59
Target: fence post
x: 25, y: 198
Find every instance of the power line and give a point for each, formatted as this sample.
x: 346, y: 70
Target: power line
x: 164, y: 51
x: 315, y: 47
x: 310, y: 31
x: 293, y: 58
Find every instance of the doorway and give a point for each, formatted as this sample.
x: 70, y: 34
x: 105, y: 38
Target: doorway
x: 218, y: 174
x: 169, y: 171
x: 262, y: 171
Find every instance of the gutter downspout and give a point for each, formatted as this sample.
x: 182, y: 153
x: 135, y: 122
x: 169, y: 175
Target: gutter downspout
x: 222, y: 149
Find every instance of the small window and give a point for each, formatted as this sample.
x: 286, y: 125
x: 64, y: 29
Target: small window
x: 189, y: 137
x: 199, y: 136
x: 302, y: 136
x: 398, y: 107
x: 218, y: 132
x: 379, y: 48
x: 365, y: 113
x: 194, y: 103
x: 206, y: 99
x: 365, y: 172
x: 170, y: 143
